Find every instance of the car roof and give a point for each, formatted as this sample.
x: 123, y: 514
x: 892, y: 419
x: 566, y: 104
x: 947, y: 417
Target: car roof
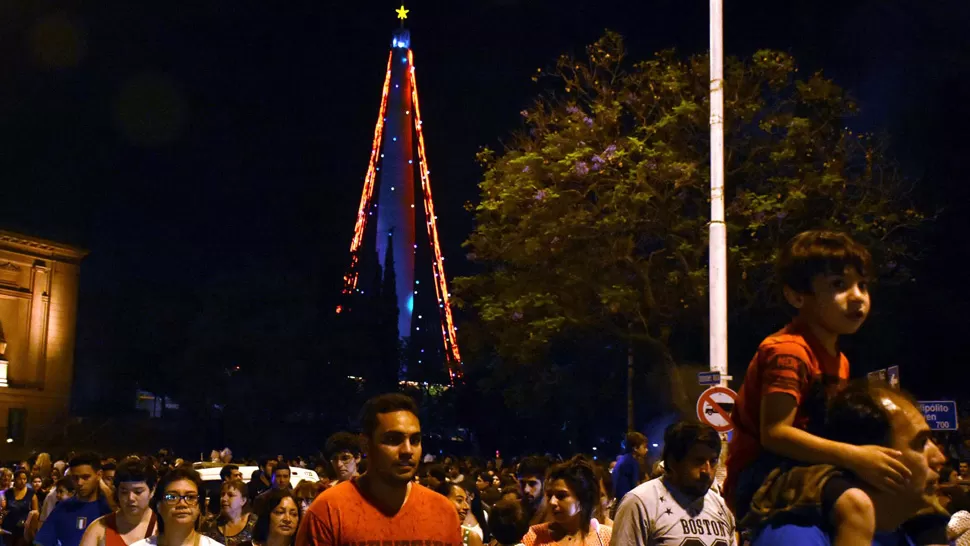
x: 210, y: 472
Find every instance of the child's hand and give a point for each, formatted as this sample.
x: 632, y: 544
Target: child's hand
x: 880, y: 467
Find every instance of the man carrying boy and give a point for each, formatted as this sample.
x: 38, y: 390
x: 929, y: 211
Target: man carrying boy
x: 795, y: 508
x: 781, y: 403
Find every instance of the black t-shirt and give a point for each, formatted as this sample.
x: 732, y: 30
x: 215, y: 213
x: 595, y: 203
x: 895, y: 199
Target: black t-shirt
x: 256, y: 485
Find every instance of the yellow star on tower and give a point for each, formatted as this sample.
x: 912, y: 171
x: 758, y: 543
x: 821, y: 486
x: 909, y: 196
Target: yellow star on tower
x: 402, y: 13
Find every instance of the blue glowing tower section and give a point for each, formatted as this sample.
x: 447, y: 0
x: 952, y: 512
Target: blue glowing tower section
x: 395, y: 201
x: 396, y: 171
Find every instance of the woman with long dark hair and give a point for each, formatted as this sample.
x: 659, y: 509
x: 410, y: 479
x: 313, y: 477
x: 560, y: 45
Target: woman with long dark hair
x: 20, y: 501
x: 477, y: 519
x: 572, y: 495
x: 459, y: 497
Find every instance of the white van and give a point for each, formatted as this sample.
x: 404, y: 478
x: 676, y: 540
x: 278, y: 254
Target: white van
x: 212, y: 481
x: 210, y: 473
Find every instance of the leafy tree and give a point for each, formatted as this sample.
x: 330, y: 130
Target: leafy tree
x: 594, y: 218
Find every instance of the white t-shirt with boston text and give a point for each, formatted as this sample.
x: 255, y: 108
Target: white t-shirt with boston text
x: 655, y: 513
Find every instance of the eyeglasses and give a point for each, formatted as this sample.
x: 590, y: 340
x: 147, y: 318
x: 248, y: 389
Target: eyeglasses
x: 173, y: 498
x: 345, y: 458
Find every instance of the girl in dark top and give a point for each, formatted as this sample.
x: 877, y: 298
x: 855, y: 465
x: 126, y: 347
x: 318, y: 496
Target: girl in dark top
x: 40, y: 488
x: 20, y: 501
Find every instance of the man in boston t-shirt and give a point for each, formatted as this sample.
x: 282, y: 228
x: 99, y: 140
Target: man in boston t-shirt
x: 66, y: 524
x: 680, y: 508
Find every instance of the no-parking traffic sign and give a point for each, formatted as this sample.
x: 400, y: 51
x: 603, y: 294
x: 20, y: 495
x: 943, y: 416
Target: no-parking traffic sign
x: 714, y: 408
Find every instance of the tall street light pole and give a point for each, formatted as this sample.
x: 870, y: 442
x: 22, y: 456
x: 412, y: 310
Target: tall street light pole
x: 718, y: 231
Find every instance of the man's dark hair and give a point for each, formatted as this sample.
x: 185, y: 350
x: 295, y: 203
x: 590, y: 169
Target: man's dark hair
x: 133, y: 471
x: 340, y: 442
x: 86, y: 459
x: 264, y: 460
x: 508, y: 523
x: 109, y: 466
x: 857, y: 416
x: 491, y: 495
x: 512, y: 490
x: 226, y: 471
x: 812, y: 253
x: 261, y: 529
x: 633, y: 441
x: 67, y: 482
x: 437, y: 471
x: 282, y: 466
x: 681, y: 436
x: 384, y: 403
x: 532, y: 466
x: 580, y: 478
x: 172, y: 476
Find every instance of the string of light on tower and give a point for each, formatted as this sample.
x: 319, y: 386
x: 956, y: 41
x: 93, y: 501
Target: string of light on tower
x: 350, y: 278
x: 400, y: 84
x: 448, y: 330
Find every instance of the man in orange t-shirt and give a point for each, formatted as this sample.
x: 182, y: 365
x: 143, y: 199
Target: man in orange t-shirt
x: 782, y: 400
x: 383, y: 507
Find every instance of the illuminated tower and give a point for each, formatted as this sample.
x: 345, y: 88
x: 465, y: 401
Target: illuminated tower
x: 392, y: 171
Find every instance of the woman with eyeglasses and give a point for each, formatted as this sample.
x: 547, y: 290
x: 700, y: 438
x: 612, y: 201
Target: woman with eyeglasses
x: 176, y: 503
x: 234, y: 523
x: 277, y: 520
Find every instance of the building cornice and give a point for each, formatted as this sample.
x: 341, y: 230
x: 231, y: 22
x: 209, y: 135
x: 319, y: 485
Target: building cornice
x: 41, y: 248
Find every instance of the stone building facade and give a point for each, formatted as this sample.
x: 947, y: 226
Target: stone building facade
x: 38, y: 323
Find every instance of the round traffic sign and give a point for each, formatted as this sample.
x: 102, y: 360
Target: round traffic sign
x: 714, y: 408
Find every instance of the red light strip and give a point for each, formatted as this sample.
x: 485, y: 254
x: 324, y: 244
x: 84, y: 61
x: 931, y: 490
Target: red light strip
x: 350, y: 279
x: 448, y: 331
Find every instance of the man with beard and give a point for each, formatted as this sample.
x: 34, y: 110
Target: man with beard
x: 384, y: 505
x: 802, y: 506
x: 531, y: 474
x: 680, y: 507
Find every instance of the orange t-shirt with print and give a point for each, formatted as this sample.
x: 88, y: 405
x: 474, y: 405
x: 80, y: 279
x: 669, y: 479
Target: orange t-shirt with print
x: 341, y: 516
x: 793, y: 362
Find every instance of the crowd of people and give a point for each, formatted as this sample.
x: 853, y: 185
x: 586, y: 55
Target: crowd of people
x: 815, y: 459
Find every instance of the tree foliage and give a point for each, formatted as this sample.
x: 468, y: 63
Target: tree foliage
x: 594, y: 218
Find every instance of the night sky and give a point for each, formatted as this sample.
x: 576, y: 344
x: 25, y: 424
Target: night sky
x: 210, y: 154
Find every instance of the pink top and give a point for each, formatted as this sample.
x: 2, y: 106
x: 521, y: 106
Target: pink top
x: 599, y: 535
